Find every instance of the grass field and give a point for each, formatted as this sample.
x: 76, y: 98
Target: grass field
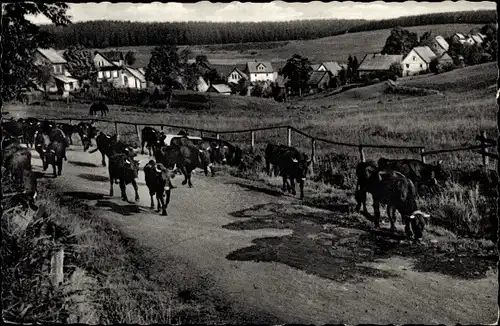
x: 336, y: 48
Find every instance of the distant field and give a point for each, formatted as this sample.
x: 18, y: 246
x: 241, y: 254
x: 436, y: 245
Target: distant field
x: 336, y: 48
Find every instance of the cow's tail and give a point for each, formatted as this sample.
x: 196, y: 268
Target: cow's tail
x: 93, y: 150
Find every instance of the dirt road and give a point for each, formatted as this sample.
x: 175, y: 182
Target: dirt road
x: 196, y: 231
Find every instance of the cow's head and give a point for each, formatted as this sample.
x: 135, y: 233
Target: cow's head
x: 301, y: 166
x: 132, y: 167
x: 419, y: 220
x: 86, y: 142
x: 438, y: 171
x: 164, y: 174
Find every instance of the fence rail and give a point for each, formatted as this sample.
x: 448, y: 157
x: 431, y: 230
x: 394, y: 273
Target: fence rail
x: 483, y: 147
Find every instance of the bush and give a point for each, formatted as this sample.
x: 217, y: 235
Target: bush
x: 448, y: 67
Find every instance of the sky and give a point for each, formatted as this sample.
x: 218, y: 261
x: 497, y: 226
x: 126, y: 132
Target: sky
x: 270, y: 11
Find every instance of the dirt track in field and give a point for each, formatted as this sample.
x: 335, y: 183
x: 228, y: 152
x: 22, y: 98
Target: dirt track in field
x: 270, y: 256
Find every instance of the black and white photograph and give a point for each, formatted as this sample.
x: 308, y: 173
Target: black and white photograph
x: 250, y: 163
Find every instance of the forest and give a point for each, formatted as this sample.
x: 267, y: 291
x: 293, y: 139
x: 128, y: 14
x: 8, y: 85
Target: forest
x: 102, y: 34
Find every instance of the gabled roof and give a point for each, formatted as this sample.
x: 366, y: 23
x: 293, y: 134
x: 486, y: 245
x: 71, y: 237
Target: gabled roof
x: 460, y: 35
x: 444, y: 57
x: 113, y: 55
x: 316, y: 77
x: 477, y: 39
x: 253, y: 65
x: 105, y: 58
x: 316, y: 66
x: 242, y: 74
x: 136, y: 73
x: 377, y: 61
x: 332, y: 66
x: 442, y: 42
x: 425, y: 53
x: 51, y: 55
x: 221, y: 88
x: 66, y: 79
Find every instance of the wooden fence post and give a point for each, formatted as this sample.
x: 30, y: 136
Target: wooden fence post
x: 289, y: 138
x: 252, y: 134
x: 161, y: 127
x: 70, y: 121
x: 422, y: 154
x: 313, y: 154
x: 201, y: 134
x: 138, y: 134
x: 484, y: 149
x: 56, y: 267
x: 361, y: 153
x: 217, y: 136
x: 116, y: 131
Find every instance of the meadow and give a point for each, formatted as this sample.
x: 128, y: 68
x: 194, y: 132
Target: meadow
x: 334, y: 48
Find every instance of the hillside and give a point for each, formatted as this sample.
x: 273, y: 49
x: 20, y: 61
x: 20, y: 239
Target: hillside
x: 336, y: 48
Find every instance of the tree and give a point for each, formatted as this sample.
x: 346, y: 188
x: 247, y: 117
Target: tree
x: 434, y: 66
x: 164, y: 66
x: 130, y: 58
x: 80, y: 64
x: 20, y: 39
x: 297, y: 70
x: 396, y: 68
x: 45, y: 76
x: 401, y: 41
x: 242, y: 88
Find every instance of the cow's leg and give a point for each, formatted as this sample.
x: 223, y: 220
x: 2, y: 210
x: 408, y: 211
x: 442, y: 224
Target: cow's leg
x: 391, y: 213
x: 143, y: 142
x: 292, y: 185
x: 136, y: 189
x: 71, y: 139
x: 103, y: 159
x: 376, y: 210
x: 301, y: 186
x: 268, y: 168
x: 54, y: 171
x: 59, y: 165
x: 165, y: 203
x: 110, y: 186
x: 152, y: 202
x: 189, y: 180
x: 408, y: 232
x: 159, y: 201
x: 285, y: 185
x: 123, y: 190
x: 185, y: 173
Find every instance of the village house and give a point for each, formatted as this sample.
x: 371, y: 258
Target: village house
x: 219, y: 88
x: 439, y: 45
x: 116, y: 72
x: 236, y: 75
x: 61, y: 78
x: 417, y: 60
x: 376, y: 62
x: 318, y: 81
x: 333, y: 68
x: 444, y: 59
x: 260, y: 71
x: 202, y: 86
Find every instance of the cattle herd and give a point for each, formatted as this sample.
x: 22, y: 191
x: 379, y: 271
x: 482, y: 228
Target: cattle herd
x: 394, y: 183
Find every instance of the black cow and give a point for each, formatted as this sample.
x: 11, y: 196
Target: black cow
x: 364, y: 170
x: 68, y: 130
x: 272, y: 158
x: 109, y: 145
x: 125, y: 170
x: 98, y: 107
x: 46, y: 126
x: 221, y: 151
x: 292, y: 165
x: 157, y: 178
x: 150, y: 137
x: 418, y: 172
x: 86, y: 131
x: 398, y: 192
x: 54, y: 155
x: 41, y: 144
x: 57, y: 135
x: 186, y: 158
x: 13, y: 128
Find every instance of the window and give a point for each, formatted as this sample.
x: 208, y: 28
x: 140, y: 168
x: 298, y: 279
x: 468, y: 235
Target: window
x: 407, y: 65
x: 107, y: 74
x: 421, y: 66
x: 267, y: 75
x: 125, y: 80
x: 255, y: 75
x: 414, y: 58
x: 99, y: 74
x: 115, y: 73
x: 70, y: 86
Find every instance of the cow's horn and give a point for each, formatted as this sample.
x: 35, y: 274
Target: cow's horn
x: 53, y: 151
x: 294, y: 160
x: 157, y: 169
x: 127, y: 161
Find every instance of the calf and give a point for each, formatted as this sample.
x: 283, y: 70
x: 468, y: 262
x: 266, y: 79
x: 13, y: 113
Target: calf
x: 364, y: 170
x: 57, y: 135
x: 125, y: 170
x: 272, y: 158
x: 291, y: 163
x: 86, y: 131
x: 150, y: 137
x: 157, y: 178
x: 30, y: 126
x: 46, y: 126
x: 54, y: 155
x: 41, y: 143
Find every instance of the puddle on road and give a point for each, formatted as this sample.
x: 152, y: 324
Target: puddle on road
x: 338, y: 246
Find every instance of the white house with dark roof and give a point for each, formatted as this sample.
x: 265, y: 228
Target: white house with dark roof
x: 236, y: 75
x: 417, y: 60
x: 332, y: 67
x: 116, y: 72
x: 219, y: 88
x: 439, y: 45
x: 62, y: 79
x: 260, y: 71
